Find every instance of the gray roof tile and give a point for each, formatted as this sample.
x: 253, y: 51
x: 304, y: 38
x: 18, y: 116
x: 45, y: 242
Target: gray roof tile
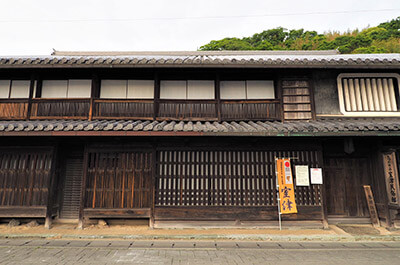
x: 318, y: 127
x: 206, y: 58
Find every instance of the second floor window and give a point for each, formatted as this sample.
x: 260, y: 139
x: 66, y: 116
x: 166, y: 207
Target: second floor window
x: 363, y: 94
x: 72, y: 88
x: 248, y: 89
x: 127, y: 89
x: 14, y: 88
x: 187, y: 89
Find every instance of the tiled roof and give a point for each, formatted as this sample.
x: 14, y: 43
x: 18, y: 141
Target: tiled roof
x: 328, y: 127
x: 266, y: 59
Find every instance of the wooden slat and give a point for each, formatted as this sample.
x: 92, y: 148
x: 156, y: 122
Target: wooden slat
x: 118, y: 180
x: 226, y: 178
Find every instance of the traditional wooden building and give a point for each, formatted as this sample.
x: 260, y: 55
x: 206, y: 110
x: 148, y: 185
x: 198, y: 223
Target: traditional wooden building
x: 177, y: 136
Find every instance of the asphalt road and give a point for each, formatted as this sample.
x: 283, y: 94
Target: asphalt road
x: 28, y: 251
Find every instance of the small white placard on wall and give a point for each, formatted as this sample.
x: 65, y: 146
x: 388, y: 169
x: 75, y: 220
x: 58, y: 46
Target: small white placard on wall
x: 302, y: 177
x: 316, y: 175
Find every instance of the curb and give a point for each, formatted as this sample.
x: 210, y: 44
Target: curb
x: 241, y: 237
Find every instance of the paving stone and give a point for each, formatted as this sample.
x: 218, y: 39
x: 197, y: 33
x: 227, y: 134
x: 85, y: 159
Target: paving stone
x: 290, y: 245
x: 162, y: 244
x: 392, y: 244
x: 142, y: 244
x: 268, y: 245
x: 184, y: 244
x: 251, y: 245
x: 78, y: 243
x: 58, y: 243
x: 99, y: 243
x: 38, y: 243
x: 18, y: 242
x: 226, y: 244
x: 205, y: 244
x: 121, y: 244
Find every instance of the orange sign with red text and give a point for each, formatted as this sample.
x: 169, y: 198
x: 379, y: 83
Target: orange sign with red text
x: 286, y: 189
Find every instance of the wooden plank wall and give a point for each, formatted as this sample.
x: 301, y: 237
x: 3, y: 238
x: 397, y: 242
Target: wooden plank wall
x: 297, y: 99
x: 24, y: 178
x: 119, y: 180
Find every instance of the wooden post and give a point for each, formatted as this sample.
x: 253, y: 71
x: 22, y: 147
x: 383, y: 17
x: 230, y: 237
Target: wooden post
x: 95, y: 90
x: 280, y: 97
x: 312, y: 101
x: 31, y: 90
x: 156, y: 95
x: 51, y: 187
x: 153, y: 188
x: 217, y: 89
x: 83, y: 189
x: 324, y: 211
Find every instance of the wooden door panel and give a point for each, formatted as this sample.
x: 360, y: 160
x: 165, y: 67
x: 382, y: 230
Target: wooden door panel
x: 119, y: 180
x: 345, y: 178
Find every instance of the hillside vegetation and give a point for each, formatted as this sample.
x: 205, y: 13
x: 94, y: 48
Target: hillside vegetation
x: 384, y: 38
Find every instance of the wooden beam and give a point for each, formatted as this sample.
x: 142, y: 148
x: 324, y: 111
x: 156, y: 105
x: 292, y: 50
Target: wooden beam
x: 23, y: 211
x: 117, y: 213
x: 233, y: 213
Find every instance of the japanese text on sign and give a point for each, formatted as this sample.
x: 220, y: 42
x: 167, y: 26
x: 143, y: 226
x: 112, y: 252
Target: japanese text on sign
x: 391, y: 177
x: 286, y: 189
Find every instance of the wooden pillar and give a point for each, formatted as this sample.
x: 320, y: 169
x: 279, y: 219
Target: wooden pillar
x: 153, y: 185
x: 51, y: 188
x: 83, y: 190
x: 279, y: 91
x: 312, y: 101
x: 324, y: 209
x: 156, y: 95
x: 31, y: 90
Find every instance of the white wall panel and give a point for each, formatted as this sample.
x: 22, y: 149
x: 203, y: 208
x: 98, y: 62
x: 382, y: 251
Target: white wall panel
x: 79, y: 88
x: 141, y: 89
x: 260, y: 89
x: 4, y: 88
x: 113, y: 88
x: 173, y: 89
x: 200, y: 89
x: 54, y: 88
x: 233, y: 89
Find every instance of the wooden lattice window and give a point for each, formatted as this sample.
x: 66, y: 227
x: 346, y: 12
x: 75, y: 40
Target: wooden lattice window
x: 226, y: 178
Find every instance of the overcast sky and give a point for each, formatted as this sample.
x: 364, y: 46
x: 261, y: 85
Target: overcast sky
x: 30, y: 27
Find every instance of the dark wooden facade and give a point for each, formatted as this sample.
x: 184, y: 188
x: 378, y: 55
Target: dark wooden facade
x: 184, y: 178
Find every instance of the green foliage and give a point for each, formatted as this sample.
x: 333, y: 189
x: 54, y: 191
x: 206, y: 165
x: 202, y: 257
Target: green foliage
x: 385, y: 38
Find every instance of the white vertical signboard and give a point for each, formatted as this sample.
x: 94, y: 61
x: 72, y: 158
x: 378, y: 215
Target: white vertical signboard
x: 316, y: 175
x: 302, y: 176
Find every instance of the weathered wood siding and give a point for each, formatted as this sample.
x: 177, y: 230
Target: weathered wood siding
x: 118, y: 180
x: 24, y: 179
x: 297, y: 99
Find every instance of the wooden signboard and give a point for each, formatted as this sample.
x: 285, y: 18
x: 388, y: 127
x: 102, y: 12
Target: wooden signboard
x: 371, y: 205
x: 287, y: 200
x: 391, y: 177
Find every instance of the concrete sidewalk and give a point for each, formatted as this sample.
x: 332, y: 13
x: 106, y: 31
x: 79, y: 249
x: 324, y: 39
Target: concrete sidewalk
x: 143, y: 232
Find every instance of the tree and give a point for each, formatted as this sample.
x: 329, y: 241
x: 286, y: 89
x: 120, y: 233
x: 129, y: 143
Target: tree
x: 383, y: 38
